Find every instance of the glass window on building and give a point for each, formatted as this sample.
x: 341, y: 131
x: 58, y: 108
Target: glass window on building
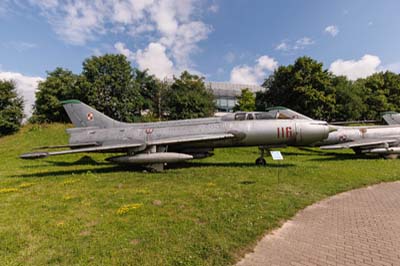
x: 231, y: 103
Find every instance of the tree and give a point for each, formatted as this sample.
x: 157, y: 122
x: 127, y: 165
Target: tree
x: 150, y: 91
x: 303, y: 86
x: 112, y: 88
x: 246, y: 101
x: 188, y: 98
x: 60, y: 84
x: 381, y: 93
x: 11, y: 108
x: 349, y: 100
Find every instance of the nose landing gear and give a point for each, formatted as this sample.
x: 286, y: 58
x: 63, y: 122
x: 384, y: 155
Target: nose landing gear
x: 260, y: 160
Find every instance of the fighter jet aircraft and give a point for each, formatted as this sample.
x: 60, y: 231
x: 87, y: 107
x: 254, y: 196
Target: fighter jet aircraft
x: 380, y: 139
x: 154, y: 144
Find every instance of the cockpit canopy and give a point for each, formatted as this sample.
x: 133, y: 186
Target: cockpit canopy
x: 240, y: 116
x: 272, y: 113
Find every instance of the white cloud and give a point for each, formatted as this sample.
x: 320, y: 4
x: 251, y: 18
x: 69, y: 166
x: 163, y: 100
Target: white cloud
x: 3, y: 8
x: 174, y: 24
x: 354, y: 69
x: 26, y: 87
x: 283, y: 46
x: 155, y: 59
x: 213, y: 8
x: 230, y: 57
x: 20, y: 46
x: 300, y: 44
x: 303, y: 42
x: 121, y: 49
x: 77, y: 22
x: 332, y: 30
x: 245, y: 74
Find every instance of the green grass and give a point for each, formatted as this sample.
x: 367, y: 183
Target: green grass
x: 67, y: 210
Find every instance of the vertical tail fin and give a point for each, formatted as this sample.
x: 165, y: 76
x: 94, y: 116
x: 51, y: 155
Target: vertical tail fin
x: 391, y: 118
x: 82, y: 115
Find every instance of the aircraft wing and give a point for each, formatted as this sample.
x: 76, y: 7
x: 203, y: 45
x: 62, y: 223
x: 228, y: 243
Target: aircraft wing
x: 361, y: 143
x: 118, y: 147
x: 191, y: 138
x: 103, y: 148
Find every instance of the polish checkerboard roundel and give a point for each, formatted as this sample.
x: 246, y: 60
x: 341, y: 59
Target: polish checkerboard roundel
x: 90, y: 116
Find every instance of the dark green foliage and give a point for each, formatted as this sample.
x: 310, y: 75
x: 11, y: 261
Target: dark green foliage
x: 303, y: 86
x: 189, y: 98
x: 246, y: 101
x: 381, y: 93
x: 11, y: 108
x: 309, y: 89
x: 60, y: 84
x: 150, y: 91
x: 112, y: 88
x: 350, y: 104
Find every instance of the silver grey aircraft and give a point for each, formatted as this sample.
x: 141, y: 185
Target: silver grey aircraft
x: 379, y: 139
x: 156, y: 143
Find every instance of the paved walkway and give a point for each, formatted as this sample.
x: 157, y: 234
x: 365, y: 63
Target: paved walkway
x: 359, y: 227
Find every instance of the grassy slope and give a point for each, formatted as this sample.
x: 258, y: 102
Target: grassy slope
x: 63, y: 210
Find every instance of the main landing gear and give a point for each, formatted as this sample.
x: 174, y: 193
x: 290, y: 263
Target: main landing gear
x: 260, y: 160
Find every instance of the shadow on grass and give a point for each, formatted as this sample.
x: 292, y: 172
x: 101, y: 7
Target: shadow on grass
x: 85, y: 160
x: 344, y: 157
x: 226, y: 164
x: 307, y: 151
x: 104, y: 170
x: 247, y: 182
x: 132, y: 168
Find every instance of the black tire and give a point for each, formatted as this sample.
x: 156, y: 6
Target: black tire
x: 357, y: 151
x: 261, y: 161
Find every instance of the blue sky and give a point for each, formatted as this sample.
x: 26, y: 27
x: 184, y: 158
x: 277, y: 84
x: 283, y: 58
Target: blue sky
x: 223, y: 40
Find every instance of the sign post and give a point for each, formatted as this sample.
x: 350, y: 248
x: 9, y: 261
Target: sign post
x: 277, y: 156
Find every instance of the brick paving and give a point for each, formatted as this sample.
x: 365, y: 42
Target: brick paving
x: 359, y: 227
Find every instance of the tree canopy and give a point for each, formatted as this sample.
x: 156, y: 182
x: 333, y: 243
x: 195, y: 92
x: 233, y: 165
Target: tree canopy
x: 303, y: 86
x: 111, y: 87
x: 246, y: 101
x: 60, y: 84
x: 11, y: 108
x: 188, y: 97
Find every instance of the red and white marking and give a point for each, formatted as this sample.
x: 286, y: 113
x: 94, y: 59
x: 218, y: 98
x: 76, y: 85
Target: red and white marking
x: 90, y: 116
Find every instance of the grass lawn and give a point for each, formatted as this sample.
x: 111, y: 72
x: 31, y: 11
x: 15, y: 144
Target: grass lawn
x: 80, y: 210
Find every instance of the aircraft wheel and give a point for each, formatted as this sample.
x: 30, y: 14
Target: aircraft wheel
x: 261, y: 161
x: 391, y: 156
x: 357, y: 151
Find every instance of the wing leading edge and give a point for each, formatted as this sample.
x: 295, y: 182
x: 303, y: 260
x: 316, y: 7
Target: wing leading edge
x: 126, y: 146
x: 362, y: 143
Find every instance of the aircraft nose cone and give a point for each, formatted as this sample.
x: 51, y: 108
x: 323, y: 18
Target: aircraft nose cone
x: 332, y: 128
